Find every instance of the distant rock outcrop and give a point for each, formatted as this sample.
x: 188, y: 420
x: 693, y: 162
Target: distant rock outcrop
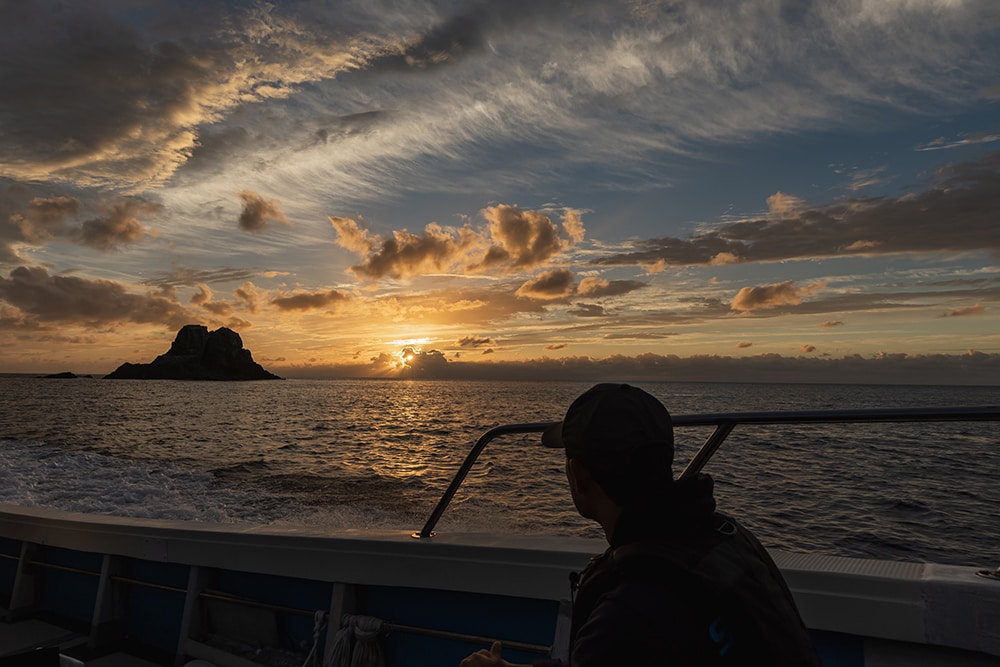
x: 65, y: 375
x: 199, y: 354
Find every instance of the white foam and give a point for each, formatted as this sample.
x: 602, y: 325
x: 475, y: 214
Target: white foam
x: 39, y: 475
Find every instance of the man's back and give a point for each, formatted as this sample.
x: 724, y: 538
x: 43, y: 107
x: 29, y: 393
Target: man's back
x: 706, y: 596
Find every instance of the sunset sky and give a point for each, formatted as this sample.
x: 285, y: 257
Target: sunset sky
x: 669, y: 190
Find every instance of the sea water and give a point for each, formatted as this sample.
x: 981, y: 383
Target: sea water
x: 379, y: 453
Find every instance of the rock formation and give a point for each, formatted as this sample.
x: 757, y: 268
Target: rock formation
x: 199, y: 354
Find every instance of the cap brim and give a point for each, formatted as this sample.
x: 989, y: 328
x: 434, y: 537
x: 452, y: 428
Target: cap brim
x: 552, y: 436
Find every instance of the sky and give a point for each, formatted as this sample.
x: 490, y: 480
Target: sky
x: 776, y: 190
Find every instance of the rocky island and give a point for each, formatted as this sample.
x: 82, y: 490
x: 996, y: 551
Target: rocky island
x: 199, y: 354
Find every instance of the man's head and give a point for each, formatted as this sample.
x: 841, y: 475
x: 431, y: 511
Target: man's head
x: 624, y: 437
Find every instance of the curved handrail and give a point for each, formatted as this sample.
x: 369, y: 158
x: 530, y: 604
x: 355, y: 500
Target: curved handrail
x: 724, y: 424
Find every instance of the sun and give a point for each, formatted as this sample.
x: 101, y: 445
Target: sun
x: 407, y: 355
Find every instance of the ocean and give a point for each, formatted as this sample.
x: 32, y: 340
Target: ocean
x: 331, y: 454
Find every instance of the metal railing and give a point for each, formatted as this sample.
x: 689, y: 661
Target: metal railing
x: 724, y: 424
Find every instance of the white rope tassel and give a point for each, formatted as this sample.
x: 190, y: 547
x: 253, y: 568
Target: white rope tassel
x: 367, y: 650
x: 356, y: 643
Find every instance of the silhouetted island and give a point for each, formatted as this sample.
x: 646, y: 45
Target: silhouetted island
x: 199, y: 354
x: 65, y: 375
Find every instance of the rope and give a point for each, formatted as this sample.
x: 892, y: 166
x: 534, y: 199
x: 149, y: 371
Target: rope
x: 319, y: 622
x: 356, y: 643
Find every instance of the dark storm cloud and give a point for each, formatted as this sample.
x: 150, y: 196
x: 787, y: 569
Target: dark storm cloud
x: 88, y: 302
x: 956, y: 214
x: 257, y: 213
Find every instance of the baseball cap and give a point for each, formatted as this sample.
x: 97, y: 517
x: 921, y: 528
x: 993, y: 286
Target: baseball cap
x: 609, y: 424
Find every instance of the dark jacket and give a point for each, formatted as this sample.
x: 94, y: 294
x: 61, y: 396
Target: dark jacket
x: 683, y: 585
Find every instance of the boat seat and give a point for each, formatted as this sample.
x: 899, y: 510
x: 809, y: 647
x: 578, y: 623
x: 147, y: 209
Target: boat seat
x: 31, y: 633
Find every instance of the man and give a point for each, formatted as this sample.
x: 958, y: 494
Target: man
x: 679, y: 584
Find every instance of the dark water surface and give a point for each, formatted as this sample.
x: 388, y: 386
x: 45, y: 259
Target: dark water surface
x: 344, y: 453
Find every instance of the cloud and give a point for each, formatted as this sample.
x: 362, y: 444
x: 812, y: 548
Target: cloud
x: 557, y: 346
x: 91, y: 303
x: 743, y: 345
x: 771, y: 296
x: 832, y: 323
x: 968, y: 310
x: 185, y: 277
x: 594, y: 287
x: 956, y: 214
x: 470, y: 341
x: 520, y: 239
x: 639, y: 335
x: 203, y: 298
x: 972, y: 368
x: 257, y: 213
x: 548, y: 286
x: 573, y: 225
x: 405, y: 254
x: 514, y: 240
x: 119, y: 226
x: 310, y: 300
x: 108, y: 106
x: 26, y: 219
x: 942, y: 143
x: 588, y: 310
x: 249, y: 295
x: 44, y: 218
x: 807, y: 349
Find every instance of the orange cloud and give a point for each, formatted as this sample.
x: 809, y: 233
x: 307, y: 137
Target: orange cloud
x: 969, y: 310
x: 594, y: 286
x: 248, y: 294
x: 573, y: 224
x: 806, y: 349
x: 548, y: 286
x: 513, y: 240
x: 521, y: 239
x: 405, y: 254
x: 832, y: 323
x: 772, y: 296
x: 310, y: 300
x: 744, y: 344
x: 781, y: 204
